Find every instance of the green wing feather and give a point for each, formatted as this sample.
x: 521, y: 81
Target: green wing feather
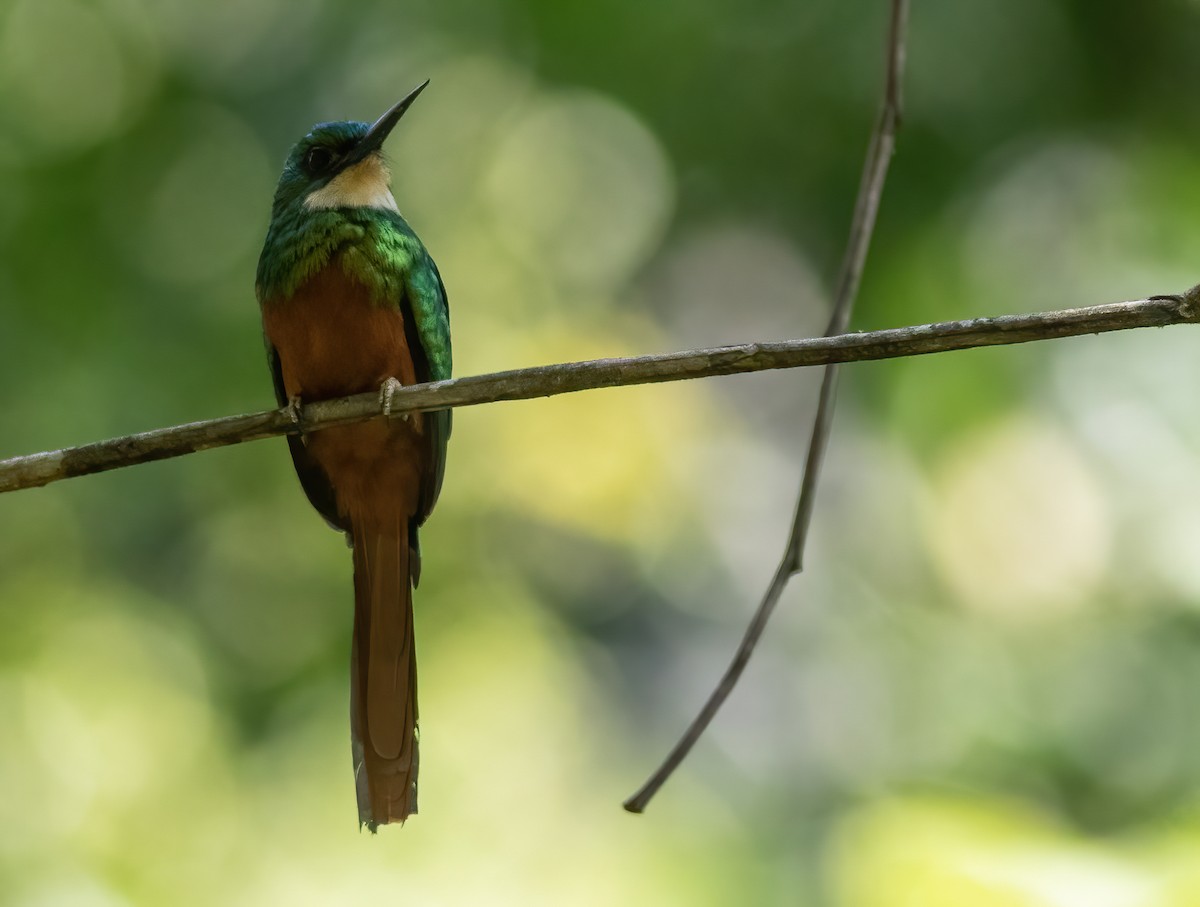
x: 430, y: 311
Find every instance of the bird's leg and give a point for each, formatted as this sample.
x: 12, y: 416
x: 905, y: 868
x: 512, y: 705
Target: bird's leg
x: 387, y: 391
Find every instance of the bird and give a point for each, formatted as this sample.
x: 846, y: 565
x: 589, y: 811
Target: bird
x: 352, y: 302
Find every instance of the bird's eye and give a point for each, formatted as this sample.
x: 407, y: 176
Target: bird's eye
x: 318, y: 160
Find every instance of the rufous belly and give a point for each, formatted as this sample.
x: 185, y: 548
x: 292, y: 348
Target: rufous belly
x: 333, y: 340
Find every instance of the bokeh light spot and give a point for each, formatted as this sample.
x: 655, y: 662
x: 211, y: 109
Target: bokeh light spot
x: 582, y: 187
x: 202, y: 208
x: 1018, y: 525
x: 63, y: 80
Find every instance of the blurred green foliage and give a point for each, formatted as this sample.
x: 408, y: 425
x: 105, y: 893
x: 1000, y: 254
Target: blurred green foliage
x: 983, y: 691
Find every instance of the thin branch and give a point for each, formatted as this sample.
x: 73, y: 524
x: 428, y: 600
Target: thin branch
x: 550, y: 380
x: 866, y: 207
x: 862, y: 228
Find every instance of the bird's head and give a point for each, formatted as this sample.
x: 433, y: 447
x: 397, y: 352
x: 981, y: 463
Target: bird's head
x: 340, y: 165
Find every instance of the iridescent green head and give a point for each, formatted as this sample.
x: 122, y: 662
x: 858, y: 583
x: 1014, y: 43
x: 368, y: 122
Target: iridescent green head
x: 339, y: 165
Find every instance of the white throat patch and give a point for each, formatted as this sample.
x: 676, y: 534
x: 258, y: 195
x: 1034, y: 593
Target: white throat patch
x: 364, y: 185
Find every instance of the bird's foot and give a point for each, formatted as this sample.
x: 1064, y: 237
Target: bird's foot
x: 387, y: 391
x: 295, y: 407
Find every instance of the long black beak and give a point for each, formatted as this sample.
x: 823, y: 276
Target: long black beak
x: 380, y: 129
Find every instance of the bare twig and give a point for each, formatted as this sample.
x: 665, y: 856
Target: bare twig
x: 866, y: 207
x: 862, y: 228
x: 550, y: 380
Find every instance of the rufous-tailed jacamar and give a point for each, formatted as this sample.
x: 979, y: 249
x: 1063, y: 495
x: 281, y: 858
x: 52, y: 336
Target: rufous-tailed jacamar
x: 350, y: 300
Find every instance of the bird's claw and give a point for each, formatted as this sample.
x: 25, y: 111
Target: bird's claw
x: 387, y: 391
x: 294, y: 408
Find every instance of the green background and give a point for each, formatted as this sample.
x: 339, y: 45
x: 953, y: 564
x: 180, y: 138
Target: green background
x: 984, y: 689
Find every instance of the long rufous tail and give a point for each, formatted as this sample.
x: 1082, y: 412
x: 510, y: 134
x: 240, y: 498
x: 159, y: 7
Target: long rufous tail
x: 383, y: 678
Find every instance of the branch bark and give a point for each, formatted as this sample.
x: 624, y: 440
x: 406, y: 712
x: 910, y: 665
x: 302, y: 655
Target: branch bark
x: 39, y: 469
